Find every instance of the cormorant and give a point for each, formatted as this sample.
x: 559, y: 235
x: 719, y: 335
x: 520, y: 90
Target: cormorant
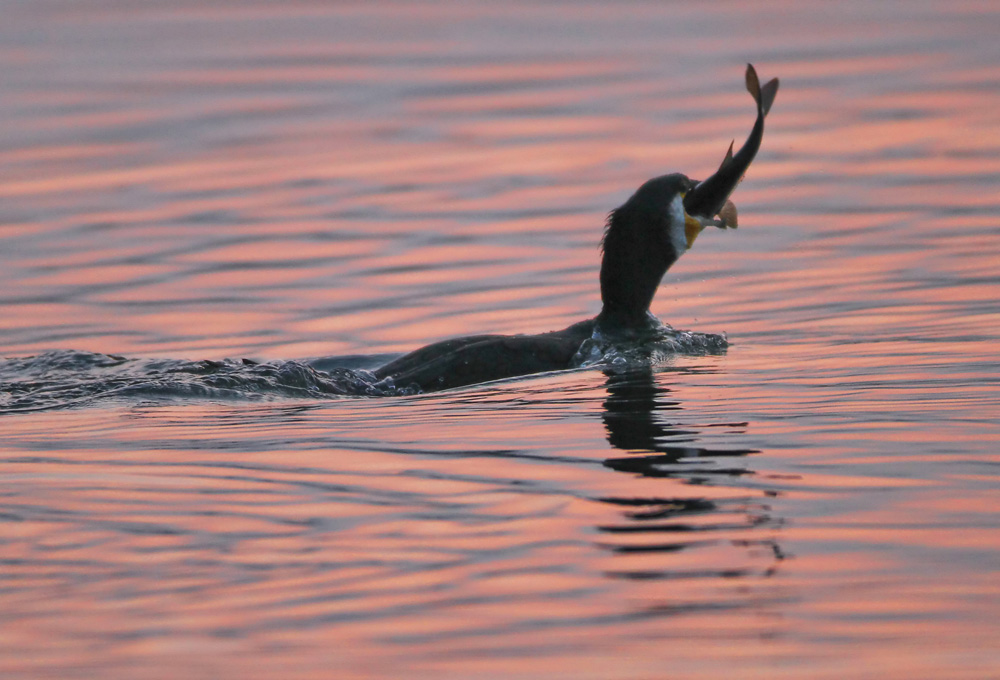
x: 642, y: 239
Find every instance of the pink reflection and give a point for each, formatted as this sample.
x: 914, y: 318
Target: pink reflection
x: 319, y: 180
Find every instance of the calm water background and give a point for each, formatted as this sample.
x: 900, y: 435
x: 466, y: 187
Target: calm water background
x: 293, y: 180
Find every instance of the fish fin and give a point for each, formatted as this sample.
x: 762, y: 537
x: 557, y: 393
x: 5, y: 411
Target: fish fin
x: 729, y: 156
x: 767, y: 94
x: 753, y: 84
x: 729, y: 159
x: 728, y: 215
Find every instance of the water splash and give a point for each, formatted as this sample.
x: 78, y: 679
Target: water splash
x: 649, y: 346
x: 63, y: 379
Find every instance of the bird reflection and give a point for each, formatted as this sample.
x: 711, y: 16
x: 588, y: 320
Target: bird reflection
x: 636, y: 417
x: 633, y: 417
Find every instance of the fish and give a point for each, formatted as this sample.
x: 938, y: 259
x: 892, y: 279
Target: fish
x: 710, y: 198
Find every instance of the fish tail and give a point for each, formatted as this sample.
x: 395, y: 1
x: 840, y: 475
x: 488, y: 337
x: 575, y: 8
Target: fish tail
x: 753, y: 83
x: 767, y: 95
x: 764, y: 96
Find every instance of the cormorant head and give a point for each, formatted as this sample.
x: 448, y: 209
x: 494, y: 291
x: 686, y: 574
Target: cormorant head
x: 642, y: 239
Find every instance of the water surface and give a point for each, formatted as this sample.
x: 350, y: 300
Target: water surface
x: 311, y: 186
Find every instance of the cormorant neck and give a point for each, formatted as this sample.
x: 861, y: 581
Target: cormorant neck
x: 637, y: 253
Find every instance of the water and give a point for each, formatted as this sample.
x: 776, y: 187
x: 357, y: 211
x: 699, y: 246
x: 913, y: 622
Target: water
x: 316, y: 187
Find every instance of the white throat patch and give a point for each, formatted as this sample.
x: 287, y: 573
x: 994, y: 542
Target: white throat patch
x: 678, y: 235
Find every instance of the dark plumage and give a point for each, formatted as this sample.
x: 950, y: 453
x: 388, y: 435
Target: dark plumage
x: 643, y: 238
x: 639, y: 246
x: 640, y: 243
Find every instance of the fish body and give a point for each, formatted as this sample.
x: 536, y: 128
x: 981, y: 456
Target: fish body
x: 710, y: 198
